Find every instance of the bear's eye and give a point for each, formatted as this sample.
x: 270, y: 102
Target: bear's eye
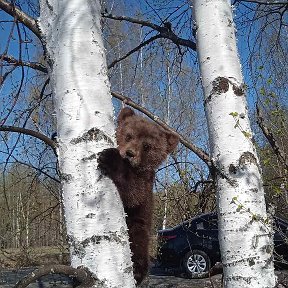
x: 146, y: 146
x: 128, y: 138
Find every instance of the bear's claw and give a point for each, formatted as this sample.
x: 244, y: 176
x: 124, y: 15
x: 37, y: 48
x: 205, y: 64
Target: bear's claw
x: 107, y: 160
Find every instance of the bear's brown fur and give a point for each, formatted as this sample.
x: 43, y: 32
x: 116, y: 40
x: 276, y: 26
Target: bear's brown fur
x: 142, y: 147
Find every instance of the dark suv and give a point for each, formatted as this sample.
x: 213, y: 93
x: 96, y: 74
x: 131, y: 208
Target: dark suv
x: 193, y: 246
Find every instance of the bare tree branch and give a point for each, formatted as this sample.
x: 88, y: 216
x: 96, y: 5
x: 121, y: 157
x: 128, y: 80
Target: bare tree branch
x: 271, y: 139
x: 264, y: 2
x: 134, y: 50
x: 199, y: 152
x: 30, y: 132
x: 28, y: 21
x: 6, y: 74
x: 164, y: 31
x: 40, y: 170
x: 80, y: 274
x: 14, y: 61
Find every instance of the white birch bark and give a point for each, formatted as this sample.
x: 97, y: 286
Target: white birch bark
x: 245, y: 240
x: 167, y: 120
x: 94, y: 215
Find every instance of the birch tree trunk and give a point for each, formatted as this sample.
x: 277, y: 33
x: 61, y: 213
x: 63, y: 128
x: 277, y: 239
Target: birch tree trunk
x: 245, y: 238
x: 96, y: 227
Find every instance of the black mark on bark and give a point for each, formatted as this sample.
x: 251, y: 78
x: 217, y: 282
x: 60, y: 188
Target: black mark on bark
x: 96, y: 239
x: 66, y: 177
x: 90, y: 215
x: 93, y: 134
x: 238, y: 90
x: 221, y: 84
x: 247, y: 157
x: 89, y: 158
x: 232, y: 169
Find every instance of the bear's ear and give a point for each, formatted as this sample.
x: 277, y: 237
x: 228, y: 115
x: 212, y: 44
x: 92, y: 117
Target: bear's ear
x: 125, y: 113
x: 172, y: 141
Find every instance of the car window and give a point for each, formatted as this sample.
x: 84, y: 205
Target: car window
x: 280, y: 228
x: 208, y: 223
x: 189, y: 225
x: 213, y: 224
x: 200, y: 226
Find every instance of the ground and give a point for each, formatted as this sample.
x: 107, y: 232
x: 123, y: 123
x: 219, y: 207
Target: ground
x: 8, y: 278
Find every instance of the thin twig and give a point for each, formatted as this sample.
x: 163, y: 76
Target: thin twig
x: 134, y: 50
x: 30, y: 132
x: 164, y: 31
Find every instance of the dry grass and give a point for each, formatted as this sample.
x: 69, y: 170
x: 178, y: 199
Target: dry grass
x: 17, y: 258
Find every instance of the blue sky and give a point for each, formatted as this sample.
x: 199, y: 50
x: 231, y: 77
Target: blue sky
x: 148, y: 13
x: 181, y: 24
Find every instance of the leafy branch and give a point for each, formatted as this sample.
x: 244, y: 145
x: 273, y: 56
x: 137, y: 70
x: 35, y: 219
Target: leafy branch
x: 237, y: 118
x: 280, y: 154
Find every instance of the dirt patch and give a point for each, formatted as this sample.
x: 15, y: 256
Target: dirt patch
x: 177, y: 282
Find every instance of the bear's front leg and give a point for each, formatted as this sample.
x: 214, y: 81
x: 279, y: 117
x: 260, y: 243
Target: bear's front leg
x: 109, y: 162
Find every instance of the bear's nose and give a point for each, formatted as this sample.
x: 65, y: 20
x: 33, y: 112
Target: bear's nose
x: 130, y: 154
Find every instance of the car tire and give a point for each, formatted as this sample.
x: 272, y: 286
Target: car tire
x: 196, y: 264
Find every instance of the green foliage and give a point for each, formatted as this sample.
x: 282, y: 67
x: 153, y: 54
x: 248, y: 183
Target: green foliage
x: 274, y: 111
x: 237, y: 118
x: 234, y: 114
x: 262, y: 91
x: 247, y: 134
x: 275, y: 180
x: 239, y: 208
x: 234, y: 200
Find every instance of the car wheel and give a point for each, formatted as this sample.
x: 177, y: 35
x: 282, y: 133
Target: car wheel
x: 196, y: 264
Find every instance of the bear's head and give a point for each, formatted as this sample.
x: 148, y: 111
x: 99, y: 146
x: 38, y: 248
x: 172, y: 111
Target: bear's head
x: 143, y: 143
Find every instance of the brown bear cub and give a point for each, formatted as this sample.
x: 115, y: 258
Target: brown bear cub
x: 142, y: 147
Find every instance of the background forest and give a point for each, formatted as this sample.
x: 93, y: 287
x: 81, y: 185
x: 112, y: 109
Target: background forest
x: 157, y: 73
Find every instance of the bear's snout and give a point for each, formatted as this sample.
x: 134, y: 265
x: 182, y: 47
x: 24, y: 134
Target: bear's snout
x: 131, y: 155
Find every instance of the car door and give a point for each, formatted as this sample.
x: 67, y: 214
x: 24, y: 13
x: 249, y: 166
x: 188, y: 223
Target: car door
x: 207, y: 229
x: 280, y: 240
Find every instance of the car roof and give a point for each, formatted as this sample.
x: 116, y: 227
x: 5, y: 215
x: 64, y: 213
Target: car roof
x: 205, y: 215
x: 279, y: 219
